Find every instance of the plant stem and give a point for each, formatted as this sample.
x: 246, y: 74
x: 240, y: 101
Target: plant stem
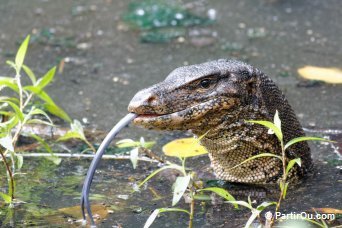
x: 192, y: 210
x: 9, y: 174
x: 90, y: 145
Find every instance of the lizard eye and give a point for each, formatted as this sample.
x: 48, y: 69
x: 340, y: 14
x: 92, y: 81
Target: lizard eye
x: 205, y: 83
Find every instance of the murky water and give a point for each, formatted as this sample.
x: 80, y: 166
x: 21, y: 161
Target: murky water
x: 105, y: 64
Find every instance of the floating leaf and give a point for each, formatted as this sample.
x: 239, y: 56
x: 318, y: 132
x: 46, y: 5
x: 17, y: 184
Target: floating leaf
x: 99, y: 211
x: 180, y: 186
x: 328, y: 75
x: 185, y: 147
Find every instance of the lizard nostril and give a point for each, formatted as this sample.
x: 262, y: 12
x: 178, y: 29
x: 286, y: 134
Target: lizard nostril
x: 151, y: 99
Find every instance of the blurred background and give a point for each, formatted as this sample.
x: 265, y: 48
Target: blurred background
x: 107, y: 50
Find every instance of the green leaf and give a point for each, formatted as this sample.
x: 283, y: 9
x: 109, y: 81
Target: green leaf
x: 30, y: 74
x: 39, y: 121
x: 40, y: 93
x: 70, y: 135
x: 57, y: 111
x: 5, y: 197
x: 10, y: 83
x: 6, y: 142
x: 304, y: 138
x: 77, y: 127
x: 20, y: 160
x: 283, y: 188
x: 180, y: 186
x: 291, y: 164
x: 16, y: 109
x: 37, y: 111
x: 221, y: 192
x: 56, y: 160
x: 263, y: 205
x: 241, y: 203
x: 42, y: 142
x: 124, y: 143
x: 257, y: 156
x: 269, y: 125
x: 46, y: 79
x: 134, y: 157
x: 19, y: 58
x: 171, y: 166
x: 11, y: 64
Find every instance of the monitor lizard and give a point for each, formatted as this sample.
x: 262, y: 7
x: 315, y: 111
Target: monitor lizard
x: 216, y: 98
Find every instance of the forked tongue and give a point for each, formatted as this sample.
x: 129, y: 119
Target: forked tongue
x: 85, y: 204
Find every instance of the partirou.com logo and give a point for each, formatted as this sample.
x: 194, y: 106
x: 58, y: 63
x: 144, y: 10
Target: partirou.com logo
x: 299, y: 215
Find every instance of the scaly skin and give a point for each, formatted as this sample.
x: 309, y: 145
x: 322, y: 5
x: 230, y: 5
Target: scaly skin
x: 218, y: 96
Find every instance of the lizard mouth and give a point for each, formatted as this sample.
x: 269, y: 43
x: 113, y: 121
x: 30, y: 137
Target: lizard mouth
x: 182, y: 118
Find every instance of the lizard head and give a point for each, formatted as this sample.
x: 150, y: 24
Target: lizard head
x: 194, y: 97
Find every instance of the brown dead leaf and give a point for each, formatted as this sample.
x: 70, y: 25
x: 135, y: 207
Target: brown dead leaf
x: 328, y: 75
x: 100, y: 212
x: 327, y: 210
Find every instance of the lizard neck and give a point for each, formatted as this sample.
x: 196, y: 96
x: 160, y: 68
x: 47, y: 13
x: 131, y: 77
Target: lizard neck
x: 234, y: 140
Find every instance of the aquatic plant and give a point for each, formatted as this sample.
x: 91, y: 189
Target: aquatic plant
x: 17, y: 109
x: 186, y: 184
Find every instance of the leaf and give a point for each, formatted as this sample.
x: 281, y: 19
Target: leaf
x: 10, y: 83
x: 151, y: 219
x: 16, y: 109
x: 257, y: 156
x: 304, y: 138
x: 5, y: 197
x: 76, y: 126
x: 40, y: 93
x: 254, y: 215
x: 42, y: 142
x: 172, y: 166
x: 291, y: 164
x: 70, y: 135
x: 57, y: 111
x: 20, y: 160
x: 276, y: 120
x: 99, y: 210
x: 221, y: 192
x: 241, y: 203
x: 124, y: 143
x: 263, y: 205
x: 328, y: 75
x: 185, y: 147
x: 19, y: 58
x: 180, y: 187
x: 37, y: 111
x: 156, y: 212
x: 56, y: 160
x: 269, y: 125
x: 30, y: 74
x: 327, y: 210
x: 6, y: 142
x: 134, y: 157
x: 46, y: 79
x: 283, y: 188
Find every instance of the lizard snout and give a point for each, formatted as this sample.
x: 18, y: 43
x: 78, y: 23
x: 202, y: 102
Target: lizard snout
x: 143, y: 103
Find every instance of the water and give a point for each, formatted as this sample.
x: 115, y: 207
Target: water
x: 106, y: 64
